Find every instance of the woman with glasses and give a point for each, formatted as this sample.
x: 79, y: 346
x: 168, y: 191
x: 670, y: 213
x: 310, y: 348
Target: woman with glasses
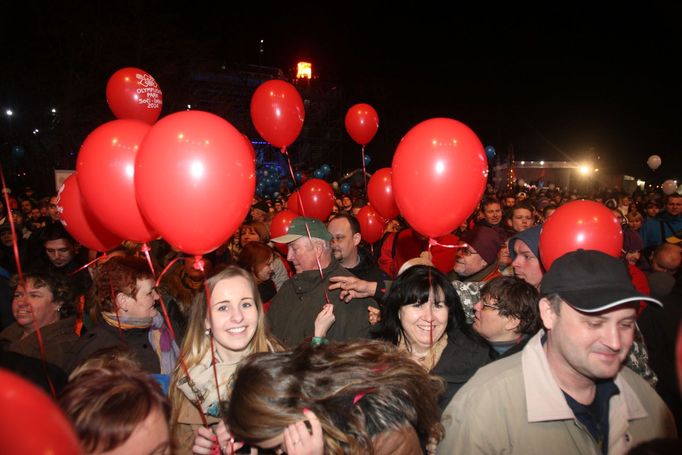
x: 423, y: 316
x: 507, y: 314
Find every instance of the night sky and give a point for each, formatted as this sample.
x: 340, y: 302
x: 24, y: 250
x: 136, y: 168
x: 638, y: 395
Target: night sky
x: 559, y: 83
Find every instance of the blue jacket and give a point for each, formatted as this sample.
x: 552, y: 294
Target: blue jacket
x: 655, y: 230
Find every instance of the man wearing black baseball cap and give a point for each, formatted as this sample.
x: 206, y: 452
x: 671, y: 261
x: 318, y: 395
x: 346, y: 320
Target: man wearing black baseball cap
x: 567, y: 391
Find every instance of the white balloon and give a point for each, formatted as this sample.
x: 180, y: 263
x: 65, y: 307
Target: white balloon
x: 669, y: 187
x: 654, y: 162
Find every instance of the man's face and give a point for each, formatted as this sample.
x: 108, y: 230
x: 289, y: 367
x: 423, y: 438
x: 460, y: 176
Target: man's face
x: 526, y: 264
x: 625, y: 201
x: 667, y: 261
x: 60, y: 252
x: 521, y: 220
x: 492, y: 213
x: 509, y: 202
x: 26, y: 207
x: 344, y: 243
x: 590, y: 345
x: 346, y: 203
x: 35, y: 215
x: 258, y: 215
x: 674, y: 205
x: 651, y: 211
x: 52, y: 209
x: 6, y: 238
x: 468, y: 261
x: 303, y: 254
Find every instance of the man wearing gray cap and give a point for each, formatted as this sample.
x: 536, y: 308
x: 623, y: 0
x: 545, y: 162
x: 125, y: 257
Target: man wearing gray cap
x: 567, y: 391
x: 301, y: 299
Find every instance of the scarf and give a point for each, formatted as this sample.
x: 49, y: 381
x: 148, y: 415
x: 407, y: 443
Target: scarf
x: 432, y: 357
x: 159, y: 336
x: 200, y: 388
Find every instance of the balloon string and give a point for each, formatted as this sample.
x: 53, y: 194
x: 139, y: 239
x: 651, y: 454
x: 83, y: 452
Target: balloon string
x: 41, y: 345
x: 364, y: 171
x: 145, y: 249
x: 10, y: 220
x: 433, y: 242
x: 297, y: 200
x: 165, y: 270
x: 210, y: 318
x: 98, y: 258
x: 319, y: 265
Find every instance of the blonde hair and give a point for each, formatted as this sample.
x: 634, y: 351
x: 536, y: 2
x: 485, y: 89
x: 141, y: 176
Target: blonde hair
x: 196, y: 344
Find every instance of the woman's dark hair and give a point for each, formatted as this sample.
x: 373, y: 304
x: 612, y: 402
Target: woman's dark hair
x: 414, y: 286
x: 357, y: 390
x: 59, y: 286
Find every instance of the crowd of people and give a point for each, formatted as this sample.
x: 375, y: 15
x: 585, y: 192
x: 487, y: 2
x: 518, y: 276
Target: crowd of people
x: 316, y: 342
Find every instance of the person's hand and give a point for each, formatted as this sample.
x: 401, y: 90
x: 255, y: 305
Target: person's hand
x: 352, y: 287
x: 207, y: 442
x: 299, y: 441
x: 374, y: 315
x: 324, y: 320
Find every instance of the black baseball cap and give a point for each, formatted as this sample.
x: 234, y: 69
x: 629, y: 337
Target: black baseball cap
x: 591, y: 281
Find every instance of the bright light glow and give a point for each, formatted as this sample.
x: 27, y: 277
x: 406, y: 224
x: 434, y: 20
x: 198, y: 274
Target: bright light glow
x: 130, y: 171
x: 189, y: 106
x: 9, y: 112
x: 440, y: 168
x: 596, y: 170
x: 304, y: 70
x: 197, y: 169
x: 542, y: 163
x: 580, y: 238
x: 523, y: 163
x: 584, y: 169
x: 54, y: 111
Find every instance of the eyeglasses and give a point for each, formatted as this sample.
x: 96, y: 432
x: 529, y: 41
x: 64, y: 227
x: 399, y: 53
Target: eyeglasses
x: 464, y: 250
x: 489, y: 306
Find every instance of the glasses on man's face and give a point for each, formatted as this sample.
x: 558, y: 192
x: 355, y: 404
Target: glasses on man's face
x: 489, y: 306
x: 466, y: 251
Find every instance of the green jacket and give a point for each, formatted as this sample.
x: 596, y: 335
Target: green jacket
x: 294, y: 308
x: 514, y: 405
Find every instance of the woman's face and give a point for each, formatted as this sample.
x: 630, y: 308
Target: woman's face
x: 248, y: 234
x: 424, y: 323
x: 31, y: 302
x: 264, y: 271
x: 142, y: 306
x: 234, y: 317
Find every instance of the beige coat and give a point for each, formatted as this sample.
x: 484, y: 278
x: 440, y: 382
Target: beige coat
x: 515, y: 406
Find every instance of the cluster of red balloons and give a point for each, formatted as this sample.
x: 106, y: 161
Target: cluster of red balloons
x: 315, y: 199
x: 189, y: 178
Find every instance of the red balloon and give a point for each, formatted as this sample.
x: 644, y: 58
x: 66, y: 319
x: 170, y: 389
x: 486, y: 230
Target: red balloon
x: 133, y: 93
x: 586, y: 225
x: 362, y: 123
x: 372, y: 225
x: 277, y: 112
x: 439, y: 175
x: 317, y: 198
x: 20, y: 403
x: 380, y: 193
x: 106, y: 171
x: 79, y: 220
x: 195, y: 179
x: 294, y: 203
x: 279, y: 226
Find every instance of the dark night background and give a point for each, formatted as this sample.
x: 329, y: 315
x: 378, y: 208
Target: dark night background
x: 567, y: 82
